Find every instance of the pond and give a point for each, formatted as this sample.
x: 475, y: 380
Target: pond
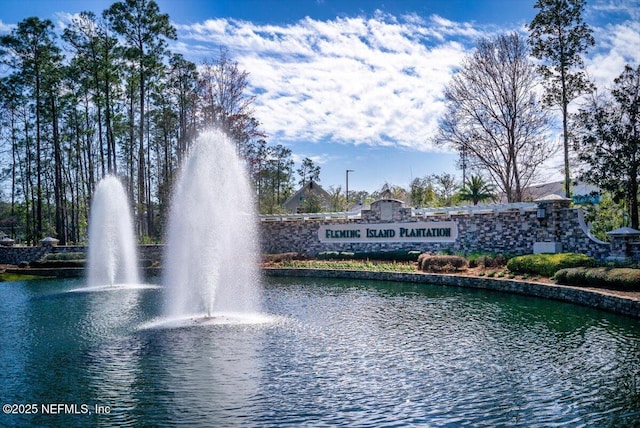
x: 329, y: 352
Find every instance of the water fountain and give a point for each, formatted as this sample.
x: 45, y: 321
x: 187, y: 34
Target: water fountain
x: 210, y: 263
x: 113, y: 257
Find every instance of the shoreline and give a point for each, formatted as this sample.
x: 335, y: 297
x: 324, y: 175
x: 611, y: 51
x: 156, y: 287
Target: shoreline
x: 619, y: 302
x: 603, y: 299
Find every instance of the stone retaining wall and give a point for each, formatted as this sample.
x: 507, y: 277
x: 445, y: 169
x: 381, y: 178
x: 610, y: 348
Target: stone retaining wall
x: 585, y: 297
x: 17, y: 254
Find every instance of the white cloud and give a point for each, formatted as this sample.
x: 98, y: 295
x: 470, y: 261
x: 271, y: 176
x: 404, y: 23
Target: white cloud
x: 63, y: 19
x: 6, y: 28
x: 317, y: 159
x: 374, y: 81
x: 628, y: 8
x: 616, y: 46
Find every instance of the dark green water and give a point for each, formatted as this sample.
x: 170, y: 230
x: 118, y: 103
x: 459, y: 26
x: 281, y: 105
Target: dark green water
x: 336, y: 353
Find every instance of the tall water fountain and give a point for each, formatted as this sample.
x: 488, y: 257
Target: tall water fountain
x: 210, y: 261
x: 113, y: 257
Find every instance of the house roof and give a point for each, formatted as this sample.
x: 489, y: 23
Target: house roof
x: 557, y: 188
x: 311, y: 186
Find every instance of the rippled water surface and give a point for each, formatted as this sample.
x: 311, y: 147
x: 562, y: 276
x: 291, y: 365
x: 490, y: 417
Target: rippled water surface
x: 328, y: 353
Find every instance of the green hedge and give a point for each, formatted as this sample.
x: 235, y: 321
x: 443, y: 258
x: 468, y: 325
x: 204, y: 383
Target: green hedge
x: 605, y: 277
x: 548, y: 264
x: 441, y: 263
x: 281, y: 257
x: 58, y: 264
x: 486, y: 260
x: 397, y: 256
x: 63, y: 256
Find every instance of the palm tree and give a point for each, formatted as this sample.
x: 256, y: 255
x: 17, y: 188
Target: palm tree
x: 477, y: 190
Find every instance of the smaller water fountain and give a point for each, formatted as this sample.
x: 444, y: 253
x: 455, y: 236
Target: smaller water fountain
x: 113, y: 255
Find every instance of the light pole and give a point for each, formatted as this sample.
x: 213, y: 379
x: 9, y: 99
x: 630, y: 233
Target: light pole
x: 348, y: 171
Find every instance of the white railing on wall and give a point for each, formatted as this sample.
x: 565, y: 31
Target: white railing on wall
x: 309, y: 216
x: 476, y: 209
x: 424, y: 212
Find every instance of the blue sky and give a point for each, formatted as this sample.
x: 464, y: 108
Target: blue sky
x: 357, y: 84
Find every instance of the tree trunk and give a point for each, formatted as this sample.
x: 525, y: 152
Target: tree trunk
x: 58, y: 186
x: 565, y: 136
x: 38, y: 213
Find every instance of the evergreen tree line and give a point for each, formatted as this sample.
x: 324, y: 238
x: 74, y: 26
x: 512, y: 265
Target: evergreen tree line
x: 108, y: 97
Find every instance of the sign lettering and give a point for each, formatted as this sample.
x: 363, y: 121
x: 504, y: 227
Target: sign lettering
x: 441, y: 231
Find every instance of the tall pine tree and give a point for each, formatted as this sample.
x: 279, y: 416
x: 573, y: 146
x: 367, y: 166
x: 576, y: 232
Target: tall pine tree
x: 558, y: 37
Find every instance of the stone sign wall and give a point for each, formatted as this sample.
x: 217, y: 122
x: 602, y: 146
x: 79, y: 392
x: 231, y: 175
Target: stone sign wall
x: 388, y: 226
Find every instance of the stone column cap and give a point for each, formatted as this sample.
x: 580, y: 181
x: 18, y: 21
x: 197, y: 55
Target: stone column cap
x: 7, y: 242
x: 624, y: 231
x: 49, y: 241
x: 553, y: 198
x: 387, y: 200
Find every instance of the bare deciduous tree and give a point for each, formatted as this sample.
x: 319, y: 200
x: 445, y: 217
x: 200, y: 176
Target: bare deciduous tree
x: 494, y: 115
x: 225, y: 103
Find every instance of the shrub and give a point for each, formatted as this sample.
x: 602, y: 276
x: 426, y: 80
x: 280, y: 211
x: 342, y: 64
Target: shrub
x: 441, y: 263
x: 57, y: 264
x: 63, y: 256
x: 624, y: 278
x: 571, y: 276
x: 486, y: 260
x: 331, y: 255
x: 548, y: 264
x: 605, y: 277
x: 392, y: 256
x: 280, y: 257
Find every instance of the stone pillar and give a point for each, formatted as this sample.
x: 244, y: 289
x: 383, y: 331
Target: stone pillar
x: 390, y: 210
x: 550, y: 217
x: 621, y: 242
x: 49, y: 242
